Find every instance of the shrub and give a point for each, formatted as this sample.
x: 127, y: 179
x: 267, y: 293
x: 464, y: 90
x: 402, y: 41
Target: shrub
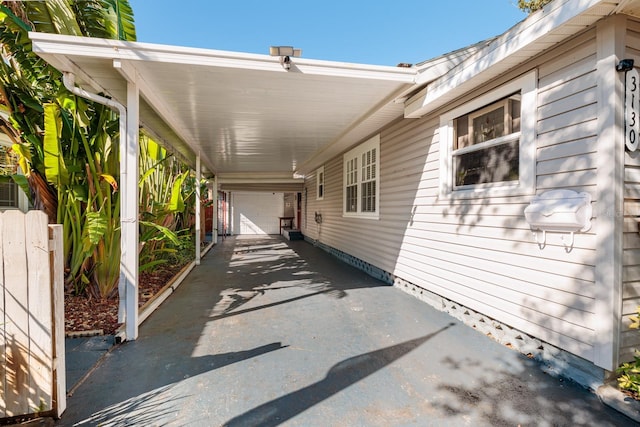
x: 629, y: 372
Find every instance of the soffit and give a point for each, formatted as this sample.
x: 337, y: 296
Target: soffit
x: 242, y: 112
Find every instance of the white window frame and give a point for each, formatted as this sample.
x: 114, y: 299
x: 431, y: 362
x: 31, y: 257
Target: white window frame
x: 320, y: 185
x: 356, y: 154
x: 22, y: 201
x: 527, y: 86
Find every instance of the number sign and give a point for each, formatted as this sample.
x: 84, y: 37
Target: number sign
x: 631, y: 110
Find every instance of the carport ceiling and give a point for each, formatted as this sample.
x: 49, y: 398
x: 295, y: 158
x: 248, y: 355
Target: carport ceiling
x: 244, y: 113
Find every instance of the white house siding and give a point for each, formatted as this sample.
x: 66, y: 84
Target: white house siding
x: 631, y: 240
x: 480, y: 252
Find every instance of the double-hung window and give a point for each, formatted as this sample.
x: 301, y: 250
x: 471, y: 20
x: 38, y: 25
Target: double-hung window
x: 488, y: 144
x: 361, y: 180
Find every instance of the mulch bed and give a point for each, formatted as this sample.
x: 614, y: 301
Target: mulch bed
x: 91, y: 315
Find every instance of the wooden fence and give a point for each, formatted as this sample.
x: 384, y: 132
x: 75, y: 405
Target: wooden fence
x: 32, y: 362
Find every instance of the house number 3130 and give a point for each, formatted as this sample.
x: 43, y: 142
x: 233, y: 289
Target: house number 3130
x: 631, y: 110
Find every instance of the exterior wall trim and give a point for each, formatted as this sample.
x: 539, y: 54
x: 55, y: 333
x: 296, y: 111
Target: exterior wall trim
x: 527, y: 84
x: 610, y: 197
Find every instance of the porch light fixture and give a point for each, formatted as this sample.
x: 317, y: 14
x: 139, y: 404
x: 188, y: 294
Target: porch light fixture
x: 624, y: 65
x: 285, y: 53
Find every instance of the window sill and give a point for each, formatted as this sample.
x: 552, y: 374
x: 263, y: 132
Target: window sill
x: 361, y: 216
x: 504, y: 190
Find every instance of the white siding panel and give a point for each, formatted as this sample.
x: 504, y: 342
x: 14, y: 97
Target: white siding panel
x: 572, y: 102
x: 567, y: 57
x: 570, y: 164
x: 571, y: 341
x: 481, y: 252
x: 569, y: 118
x: 581, y: 131
x: 537, y: 284
x: 504, y: 260
x: 575, y: 70
x: 569, y: 149
x: 565, y: 94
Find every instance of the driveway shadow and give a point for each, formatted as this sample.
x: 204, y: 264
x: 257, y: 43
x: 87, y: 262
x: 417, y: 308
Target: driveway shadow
x: 143, y: 382
x: 339, y: 377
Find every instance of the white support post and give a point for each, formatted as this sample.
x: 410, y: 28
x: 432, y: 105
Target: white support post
x: 129, y: 176
x: 125, y: 190
x: 214, y: 219
x: 198, y: 208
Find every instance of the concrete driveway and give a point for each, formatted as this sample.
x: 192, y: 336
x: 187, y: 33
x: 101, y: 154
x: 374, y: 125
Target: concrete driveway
x: 268, y: 332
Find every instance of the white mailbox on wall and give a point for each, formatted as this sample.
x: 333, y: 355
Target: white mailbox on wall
x: 560, y: 211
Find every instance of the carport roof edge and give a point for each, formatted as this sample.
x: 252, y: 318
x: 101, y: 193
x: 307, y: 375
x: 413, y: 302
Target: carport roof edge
x: 244, y: 113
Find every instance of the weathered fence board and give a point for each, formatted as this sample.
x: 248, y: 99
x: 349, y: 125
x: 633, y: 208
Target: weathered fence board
x: 16, y: 314
x: 30, y: 336
x: 40, y: 327
x: 57, y: 275
x: 3, y: 341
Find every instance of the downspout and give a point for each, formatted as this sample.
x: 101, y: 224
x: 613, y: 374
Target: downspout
x: 69, y: 82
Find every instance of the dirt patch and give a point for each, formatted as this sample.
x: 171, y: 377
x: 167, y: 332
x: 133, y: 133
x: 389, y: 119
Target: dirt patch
x: 83, y: 314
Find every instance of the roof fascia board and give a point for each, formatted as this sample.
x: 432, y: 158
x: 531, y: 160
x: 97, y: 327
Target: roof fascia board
x: 134, y: 51
x: 528, y: 35
x: 435, y: 68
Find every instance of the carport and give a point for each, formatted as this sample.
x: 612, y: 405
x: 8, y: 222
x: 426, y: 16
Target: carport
x: 244, y: 120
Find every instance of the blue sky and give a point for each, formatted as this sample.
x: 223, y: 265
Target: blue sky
x: 380, y: 32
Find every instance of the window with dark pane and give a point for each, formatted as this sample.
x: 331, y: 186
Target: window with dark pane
x: 351, y: 192
x: 499, y: 163
x: 368, y: 185
x: 486, y: 143
x: 8, y: 167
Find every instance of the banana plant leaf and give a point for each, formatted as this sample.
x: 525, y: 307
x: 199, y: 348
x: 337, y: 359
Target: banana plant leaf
x: 22, y: 182
x: 176, y: 203
x: 53, y: 16
x: 55, y: 169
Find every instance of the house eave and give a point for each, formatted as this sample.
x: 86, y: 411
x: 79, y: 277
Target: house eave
x: 542, y: 30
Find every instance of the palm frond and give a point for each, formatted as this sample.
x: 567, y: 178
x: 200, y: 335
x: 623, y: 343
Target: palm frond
x: 52, y: 16
x: 125, y: 19
x: 109, y: 19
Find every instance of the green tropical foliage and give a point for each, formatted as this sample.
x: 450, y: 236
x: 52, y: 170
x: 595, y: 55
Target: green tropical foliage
x: 531, y: 6
x: 162, y: 205
x: 68, y: 150
x: 68, y: 147
x: 629, y: 372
